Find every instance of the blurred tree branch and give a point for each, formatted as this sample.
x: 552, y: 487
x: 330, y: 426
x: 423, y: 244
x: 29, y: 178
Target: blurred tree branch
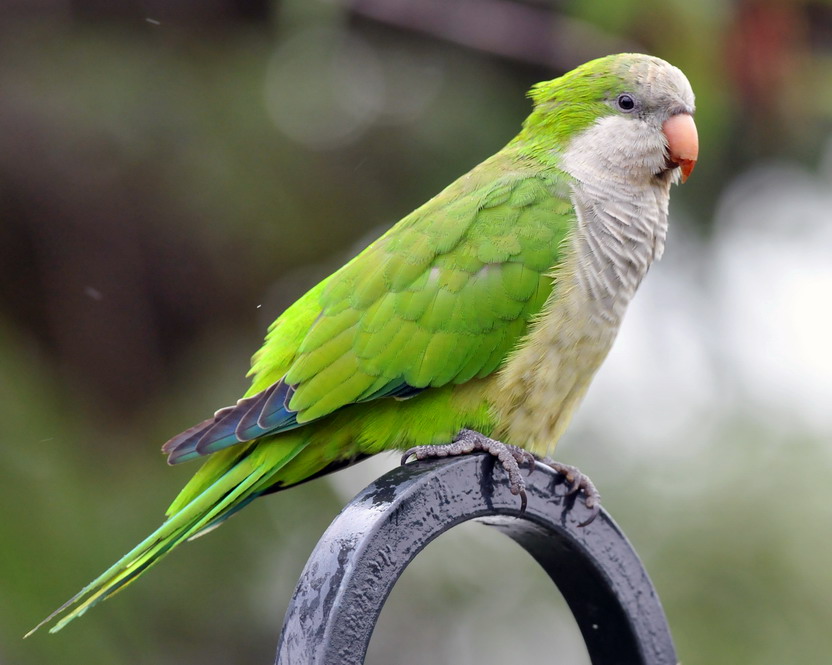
x: 514, y: 30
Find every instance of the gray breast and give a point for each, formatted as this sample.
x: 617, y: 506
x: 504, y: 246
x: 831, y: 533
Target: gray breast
x: 619, y: 235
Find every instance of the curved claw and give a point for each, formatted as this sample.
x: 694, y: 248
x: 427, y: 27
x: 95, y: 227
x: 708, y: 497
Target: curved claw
x: 519, y: 489
x: 578, y: 481
x: 594, y: 511
x: 407, y: 454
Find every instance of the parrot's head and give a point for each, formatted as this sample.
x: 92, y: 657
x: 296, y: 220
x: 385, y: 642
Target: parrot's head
x: 627, y: 115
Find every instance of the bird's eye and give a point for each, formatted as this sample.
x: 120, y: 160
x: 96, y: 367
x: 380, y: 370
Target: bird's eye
x: 625, y: 102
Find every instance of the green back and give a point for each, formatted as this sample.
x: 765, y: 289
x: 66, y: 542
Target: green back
x: 441, y: 298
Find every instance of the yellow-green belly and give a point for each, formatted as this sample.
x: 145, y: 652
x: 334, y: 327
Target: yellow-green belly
x: 545, y: 378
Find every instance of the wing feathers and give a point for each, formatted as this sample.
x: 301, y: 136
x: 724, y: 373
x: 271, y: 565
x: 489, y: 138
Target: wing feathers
x: 248, y: 426
x: 442, y: 298
x: 251, y: 418
x: 276, y: 412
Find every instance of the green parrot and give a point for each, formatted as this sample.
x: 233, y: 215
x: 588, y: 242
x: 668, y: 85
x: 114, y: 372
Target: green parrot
x: 475, y: 323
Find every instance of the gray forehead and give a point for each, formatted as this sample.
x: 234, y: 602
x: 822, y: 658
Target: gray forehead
x: 662, y: 83
x: 678, y: 84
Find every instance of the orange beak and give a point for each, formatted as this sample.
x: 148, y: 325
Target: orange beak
x: 682, y: 142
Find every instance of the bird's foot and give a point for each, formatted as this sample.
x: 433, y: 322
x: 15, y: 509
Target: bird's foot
x: 577, y: 481
x: 469, y: 441
x: 511, y: 457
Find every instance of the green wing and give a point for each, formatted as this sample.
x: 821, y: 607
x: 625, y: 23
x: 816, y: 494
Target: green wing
x: 441, y: 298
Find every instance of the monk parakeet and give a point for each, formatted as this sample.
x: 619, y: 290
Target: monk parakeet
x: 479, y: 318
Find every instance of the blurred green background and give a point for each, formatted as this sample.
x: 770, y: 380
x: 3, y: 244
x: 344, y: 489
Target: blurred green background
x: 173, y: 174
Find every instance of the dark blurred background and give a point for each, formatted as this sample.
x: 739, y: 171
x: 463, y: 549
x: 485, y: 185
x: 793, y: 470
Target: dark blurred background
x: 173, y: 174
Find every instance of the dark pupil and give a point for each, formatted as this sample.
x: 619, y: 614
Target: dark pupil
x: 626, y: 102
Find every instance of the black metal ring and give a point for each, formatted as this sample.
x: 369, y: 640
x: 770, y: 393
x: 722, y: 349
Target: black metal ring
x: 361, y: 555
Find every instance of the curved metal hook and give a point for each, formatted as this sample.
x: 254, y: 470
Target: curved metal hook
x: 361, y: 555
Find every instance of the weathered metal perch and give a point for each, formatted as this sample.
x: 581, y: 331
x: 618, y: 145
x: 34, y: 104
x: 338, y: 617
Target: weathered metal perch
x: 361, y: 555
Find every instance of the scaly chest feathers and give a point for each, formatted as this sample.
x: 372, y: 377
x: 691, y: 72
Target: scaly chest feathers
x: 619, y: 232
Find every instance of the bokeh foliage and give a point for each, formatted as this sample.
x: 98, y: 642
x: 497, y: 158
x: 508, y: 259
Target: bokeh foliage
x: 172, y: 175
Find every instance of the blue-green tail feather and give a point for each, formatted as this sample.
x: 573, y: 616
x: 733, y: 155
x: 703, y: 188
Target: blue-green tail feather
x: 241, y: 483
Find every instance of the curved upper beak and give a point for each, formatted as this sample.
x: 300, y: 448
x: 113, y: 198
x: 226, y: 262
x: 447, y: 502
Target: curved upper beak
x: 682, y: 142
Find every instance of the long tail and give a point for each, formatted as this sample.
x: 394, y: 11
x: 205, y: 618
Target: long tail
x: 237, y: 485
